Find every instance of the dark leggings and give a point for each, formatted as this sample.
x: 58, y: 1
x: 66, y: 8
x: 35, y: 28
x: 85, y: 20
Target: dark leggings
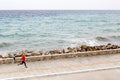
x: 23, y: 62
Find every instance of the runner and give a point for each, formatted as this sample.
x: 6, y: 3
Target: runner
x: 23, y: 59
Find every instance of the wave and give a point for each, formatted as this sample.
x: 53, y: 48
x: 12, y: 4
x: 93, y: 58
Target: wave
x: 99, y: 38
x: 110, y: 39
x: 117, y: 23
x: 115, y: 37
x: 82, y: 41
x: 4, y: 44
x: 16, y: 35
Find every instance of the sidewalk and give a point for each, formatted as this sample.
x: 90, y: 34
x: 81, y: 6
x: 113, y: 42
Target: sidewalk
x: 108, y: 74
x: 60, y: 66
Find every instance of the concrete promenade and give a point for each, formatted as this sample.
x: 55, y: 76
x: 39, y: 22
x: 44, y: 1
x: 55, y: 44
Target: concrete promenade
x: 48, y: 70
x: 105, y: 74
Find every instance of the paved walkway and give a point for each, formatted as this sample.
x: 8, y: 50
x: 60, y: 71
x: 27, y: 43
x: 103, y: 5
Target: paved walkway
x: 57, y: 67
x: 107, y: 74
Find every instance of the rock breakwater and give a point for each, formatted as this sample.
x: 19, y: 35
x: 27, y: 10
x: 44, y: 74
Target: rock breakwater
x: 78, y: 51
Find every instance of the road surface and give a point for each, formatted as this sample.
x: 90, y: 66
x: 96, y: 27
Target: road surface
x: 64, y: 69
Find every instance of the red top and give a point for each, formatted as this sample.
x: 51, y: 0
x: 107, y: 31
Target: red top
x: 23, y: 58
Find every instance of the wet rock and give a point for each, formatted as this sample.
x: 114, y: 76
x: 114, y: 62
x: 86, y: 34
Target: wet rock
x: 74, y: 49
x: 78, y: 49
x: 18, y: 54
x: 66, y: 50
x: 109, y: 46
x: 1, y: 56
x: 100, y: 47
x: 114, y: 46
x: 10, y: 55
x: 30, y: 51
x: 63, y: 51
x: 24, y: 51
x: 51, y: 52
x: 41, y: 52
x: 89, y: 49
x: 58, y: 51
x: 55, y: 52
x: 84, y: 48
x: 1, y: 61
x: 69, y: 49
x: 46, y: 53
x: 118, y: 46
x: 97, y: 48
x: 36, y: 53
x: 5, y: 55
x: 103, y: 47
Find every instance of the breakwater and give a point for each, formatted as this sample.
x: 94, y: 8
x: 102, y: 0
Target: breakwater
x: 70, y: 52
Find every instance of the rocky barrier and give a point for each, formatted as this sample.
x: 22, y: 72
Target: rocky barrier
x: 70, y: 52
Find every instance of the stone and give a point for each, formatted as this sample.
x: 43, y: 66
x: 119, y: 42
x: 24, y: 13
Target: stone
x: 95, y: 47
x: 1, y: 61
x: 1, y: 56
x: 104, y: 47
x: 99, y: 48
x: 109, y: 44
x: 10, y: 55
x: 118, y: 46
x: 29, y: 51
x: 114, y: 46
x: 24, y: 51
x: 57, y: 51
x: 83, y: 50
x: 89, y: 49
x: 51, y: 52
x: 41, y: 52
x: 78, y: 49
x: 28, y: 54
x: 18, y: 54
x: 84, y: 46
x: 69, y: 49
x: 46, y: 53
x: 74, y: 50
x: 5, y: 55
x: 63, y: 51
x: 36, y: 53
x: 66, y: 50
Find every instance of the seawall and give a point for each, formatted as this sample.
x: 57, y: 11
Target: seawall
x: 60, y: 56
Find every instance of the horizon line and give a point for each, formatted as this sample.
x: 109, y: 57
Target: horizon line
x: 67, y: 9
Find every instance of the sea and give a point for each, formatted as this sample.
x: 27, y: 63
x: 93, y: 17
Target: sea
x: 57, y: 29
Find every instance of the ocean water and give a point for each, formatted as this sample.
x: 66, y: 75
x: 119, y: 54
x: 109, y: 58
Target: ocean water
x: 57, y: 29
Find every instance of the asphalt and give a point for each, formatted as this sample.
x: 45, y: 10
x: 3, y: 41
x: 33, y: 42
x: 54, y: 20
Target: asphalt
x: 55, y: 68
